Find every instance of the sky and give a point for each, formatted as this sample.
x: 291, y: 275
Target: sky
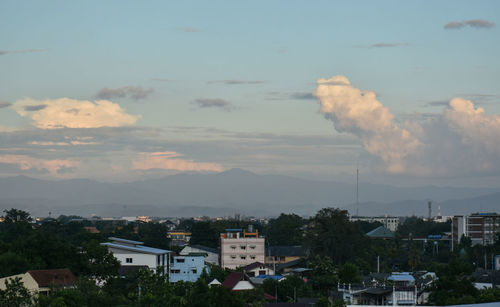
x: 408, y: 92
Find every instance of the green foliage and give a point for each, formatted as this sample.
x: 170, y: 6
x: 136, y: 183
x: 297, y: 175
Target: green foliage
x: 15, y: 215
x: 454, y: 286
x: 349, y: 274
x: 331, y: 234
x: 285, y: 230
x: 419, y: 228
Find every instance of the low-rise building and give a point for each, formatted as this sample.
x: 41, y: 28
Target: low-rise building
x: 187, y: 268
x: 277, y: 255
x: 134, y: 253
x: 258, y: 268
x: 179, y: 237
x: 238, y: 248
x: 41, y: 281
x: 212, y: 254
x: 238, y: 281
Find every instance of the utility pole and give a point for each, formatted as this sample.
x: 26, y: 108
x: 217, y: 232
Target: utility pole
x: 357, y: 189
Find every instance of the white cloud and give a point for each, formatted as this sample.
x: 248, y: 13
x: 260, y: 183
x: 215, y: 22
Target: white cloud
x: 360, y: 113
x: 72, y: 113
x: 462, y: 139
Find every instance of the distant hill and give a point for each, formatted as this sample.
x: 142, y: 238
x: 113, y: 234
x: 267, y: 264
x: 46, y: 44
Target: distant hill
x: 233, y: 191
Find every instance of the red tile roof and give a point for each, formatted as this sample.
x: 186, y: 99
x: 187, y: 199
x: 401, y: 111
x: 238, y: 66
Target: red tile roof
x: 232, y: 279
x: 56, y: 277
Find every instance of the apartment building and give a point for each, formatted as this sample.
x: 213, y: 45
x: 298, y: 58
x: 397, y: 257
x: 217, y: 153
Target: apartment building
x: 481, y: 228
x: 238, y: 248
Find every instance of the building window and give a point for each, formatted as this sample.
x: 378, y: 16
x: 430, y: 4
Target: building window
x: 243, y: 246
x: 243, y: 256
x: 180, y: 259
x: 252, y: 246
x: 194, y: 271
x: 175, y: 271
x: 233, y: 246
x: 233, y: 256
x: 252, y: 256
x: 128, y: 260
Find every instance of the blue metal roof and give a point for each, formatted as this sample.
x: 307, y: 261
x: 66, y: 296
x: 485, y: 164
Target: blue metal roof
x: 138, y: 249
x: 401, y: 277
x: 234, y: 229
x: 275, y: 277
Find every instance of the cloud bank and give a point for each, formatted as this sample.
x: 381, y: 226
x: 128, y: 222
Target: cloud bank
x: 72, y: 113
x: 134, y: 92
x: 463, y: 139
x: 26, y: 163
x: 474, y: 23
x: 170, y: 160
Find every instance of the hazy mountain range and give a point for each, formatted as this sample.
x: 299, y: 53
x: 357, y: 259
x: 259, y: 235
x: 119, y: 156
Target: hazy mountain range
x: 233, y: 191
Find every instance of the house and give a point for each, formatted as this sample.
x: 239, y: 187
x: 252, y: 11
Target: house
x: 212, y: 253
x: 187, y: 267
x: 214, y: 282
x: 380, y: 232
x: 277, y: 255
x: 179, y: 237
x: 134, y: 253
x: 238, y: 281
x: 41, y: 281
x: 238, y: 248
x: 258, y: 268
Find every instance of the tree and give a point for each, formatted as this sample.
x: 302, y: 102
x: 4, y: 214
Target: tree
x: 15, y: 215
x: 349, y: 274
x: 97, y: 261
x: 285, y: 230
x: 15, y: 294
x: 331, y: 234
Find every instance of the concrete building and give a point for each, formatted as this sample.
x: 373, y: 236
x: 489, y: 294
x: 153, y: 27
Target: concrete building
x: 212, y: 254
x: 238, y: 248
x: 41, y: 281
x: 134, y: 253
x: 389, y: 222
x: 481, y: 228
x: 187, y: 268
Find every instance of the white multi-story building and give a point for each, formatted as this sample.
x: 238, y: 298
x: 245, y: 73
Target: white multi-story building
x: 390, y: 222
x: 238, y: 248
x: 134, y: 253
x: 481, y: 228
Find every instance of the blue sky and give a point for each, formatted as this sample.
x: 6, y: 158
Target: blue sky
x: 237, y: 79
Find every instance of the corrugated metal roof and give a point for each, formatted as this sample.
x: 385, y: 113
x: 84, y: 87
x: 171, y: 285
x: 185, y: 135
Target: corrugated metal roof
x: 125, y: 241
x: 139, y: 249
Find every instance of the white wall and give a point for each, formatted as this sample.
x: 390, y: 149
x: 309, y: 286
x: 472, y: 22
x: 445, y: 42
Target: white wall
x: 227, y: 261
x: 137, y: 258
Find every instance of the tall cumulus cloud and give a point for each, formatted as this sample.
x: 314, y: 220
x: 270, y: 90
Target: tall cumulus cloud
x: 462, y: 139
